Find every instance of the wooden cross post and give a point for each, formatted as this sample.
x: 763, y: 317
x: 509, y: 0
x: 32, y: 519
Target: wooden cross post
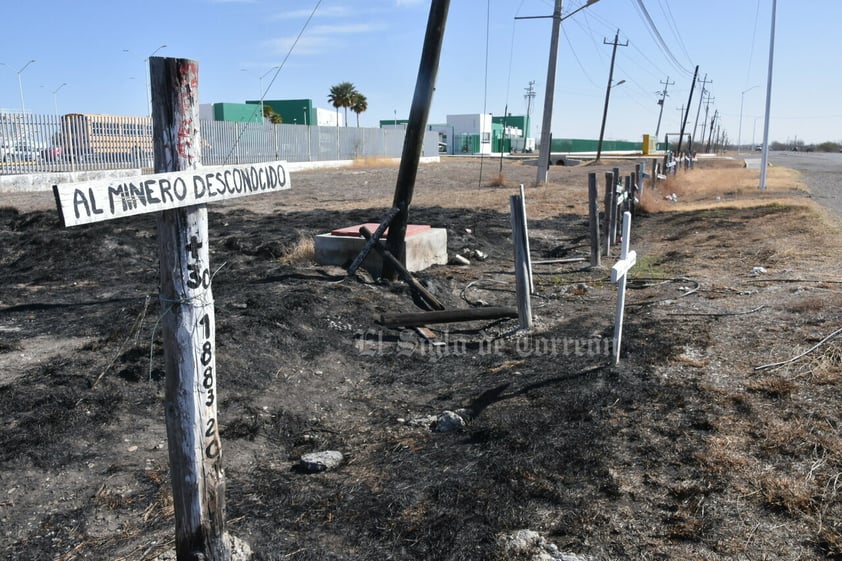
x: 619, y: 274
x: 179, y: 191
x: 187, y: 325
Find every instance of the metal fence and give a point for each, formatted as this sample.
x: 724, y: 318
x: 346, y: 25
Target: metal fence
x: 31, y: 143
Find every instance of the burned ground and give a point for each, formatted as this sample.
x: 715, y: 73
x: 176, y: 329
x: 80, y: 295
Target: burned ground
x: 683, y: 450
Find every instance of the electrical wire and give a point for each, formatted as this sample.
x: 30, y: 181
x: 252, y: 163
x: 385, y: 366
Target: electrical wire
x: 653, y: 30
x: 667, y: 11
x: 274, y: 77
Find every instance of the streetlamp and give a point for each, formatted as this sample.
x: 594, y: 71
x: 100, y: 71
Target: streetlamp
x: 55, y: 102
x: 146, y: 76
x: 305, y: 115
x: 740, y: 129
x: 396, y: 119
x: 260, y: 86
x: 605, y: 112
x: 20, y: 85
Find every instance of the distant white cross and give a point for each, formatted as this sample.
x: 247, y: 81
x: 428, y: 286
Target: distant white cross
x: 619, y: 275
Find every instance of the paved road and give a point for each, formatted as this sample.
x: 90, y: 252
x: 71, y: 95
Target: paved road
x: 822, y: 172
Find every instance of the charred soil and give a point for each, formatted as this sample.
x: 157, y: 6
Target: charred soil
x: 685, y: 450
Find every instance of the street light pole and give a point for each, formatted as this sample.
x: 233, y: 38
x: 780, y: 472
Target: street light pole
x: 764, y: 160
x: 615, y: 44
x: 55, y: 101
x: 20, y: 86
x: 146, y: 63
x: 740, y: 128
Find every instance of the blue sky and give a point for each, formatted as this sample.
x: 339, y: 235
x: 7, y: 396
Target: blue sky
x: 96, y: 48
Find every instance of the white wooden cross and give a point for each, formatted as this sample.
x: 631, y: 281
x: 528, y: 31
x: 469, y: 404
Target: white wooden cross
x: 619, y: 275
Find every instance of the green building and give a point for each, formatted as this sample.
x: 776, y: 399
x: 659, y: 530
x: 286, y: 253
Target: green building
x: 292, y: 111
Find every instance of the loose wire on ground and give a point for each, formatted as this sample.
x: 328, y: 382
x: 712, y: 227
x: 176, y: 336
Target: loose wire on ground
x: 800, y: 356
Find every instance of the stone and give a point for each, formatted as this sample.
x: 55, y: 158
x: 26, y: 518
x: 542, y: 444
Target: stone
x: 321, y: 461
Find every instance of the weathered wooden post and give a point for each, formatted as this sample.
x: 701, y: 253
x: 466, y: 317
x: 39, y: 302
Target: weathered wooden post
x: 653, y: 182
x: 615, y: 184
x: 619, y: 274
x: 593, y: 208
x: 609, y: 187
x: 179, y: 191
x: 187, y: 324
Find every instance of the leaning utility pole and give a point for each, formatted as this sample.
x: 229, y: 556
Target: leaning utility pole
x: 547, y: 121
x: 704, y: 82
x: 608, y: 89
x: 415, y: 128
x: 684, y: 121
x: 661, y: 103
x: 712, y: 121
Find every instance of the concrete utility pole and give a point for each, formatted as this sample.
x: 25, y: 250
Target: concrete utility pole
x: 704, y: 82
x: 549, y: 90
x: 529, y: 95
x: 764, y: 161
x: 689, y: 99
x: 608, y: 89
x: 666, y: 84
x: 708, y: 101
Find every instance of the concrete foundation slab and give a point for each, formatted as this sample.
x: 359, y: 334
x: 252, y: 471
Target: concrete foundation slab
x: 425, y: 247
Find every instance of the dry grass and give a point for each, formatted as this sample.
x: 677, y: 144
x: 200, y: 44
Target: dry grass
x: 730, y: 187
x: 375, y: 162
x: 301, y: 252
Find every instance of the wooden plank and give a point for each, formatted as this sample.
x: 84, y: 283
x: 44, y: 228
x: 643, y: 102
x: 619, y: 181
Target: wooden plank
x: 413, y: 319
x: 425, y: 295
x: 85, y: 202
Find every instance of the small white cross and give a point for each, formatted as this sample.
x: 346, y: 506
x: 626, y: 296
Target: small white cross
x: 619, y: 275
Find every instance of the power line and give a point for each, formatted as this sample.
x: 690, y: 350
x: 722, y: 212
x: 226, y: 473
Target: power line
x: 673, y: 27
x: 657, y: 36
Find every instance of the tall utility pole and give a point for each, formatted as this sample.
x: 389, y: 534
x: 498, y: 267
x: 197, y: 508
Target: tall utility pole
x: 689, y: 99
x: 615, y: 44
x: 549, y: 90
x: 764, y: 160
x: 708, y: 101
x: 704, y: 82
x: 712, y: 121
x: 422, y: 99
x: 663, y: 93
x: 529, y: 95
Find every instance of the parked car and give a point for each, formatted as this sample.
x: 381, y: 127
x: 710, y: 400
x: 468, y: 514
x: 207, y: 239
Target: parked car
x: 52, y: 154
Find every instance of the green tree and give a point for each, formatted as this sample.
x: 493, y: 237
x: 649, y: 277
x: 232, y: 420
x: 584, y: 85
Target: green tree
x: 341, y: 95
x: 272, y: 115
x: 359, y: 103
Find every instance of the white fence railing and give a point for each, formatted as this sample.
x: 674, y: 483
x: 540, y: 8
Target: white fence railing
x: 31, y: 143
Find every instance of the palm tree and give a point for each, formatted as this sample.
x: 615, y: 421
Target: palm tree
x: 271, y: 115
x: 340, y: 96
x: 359, y: 103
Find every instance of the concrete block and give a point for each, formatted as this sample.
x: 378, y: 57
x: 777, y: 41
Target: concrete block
x: 425, y: 247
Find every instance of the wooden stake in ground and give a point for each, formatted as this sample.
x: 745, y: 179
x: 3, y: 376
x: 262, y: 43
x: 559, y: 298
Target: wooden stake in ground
x: 593, y: 209
x: 178, y: 191
x: 619, y: 274
x: 187, y: 324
